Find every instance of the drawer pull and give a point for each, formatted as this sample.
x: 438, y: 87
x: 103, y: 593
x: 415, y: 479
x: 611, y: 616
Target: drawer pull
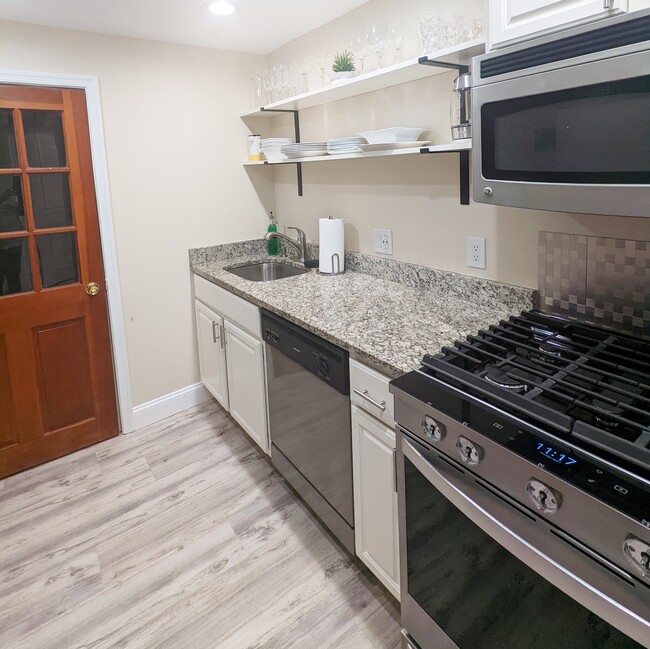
x: 364, y: 395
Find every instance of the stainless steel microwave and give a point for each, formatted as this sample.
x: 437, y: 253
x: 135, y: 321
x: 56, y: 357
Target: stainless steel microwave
x: 563, y: 123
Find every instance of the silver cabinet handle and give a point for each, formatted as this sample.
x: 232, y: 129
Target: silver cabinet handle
x: 607, y: 4
x: 364, y: 395
x: 222, y: 336
x: 214, y: 332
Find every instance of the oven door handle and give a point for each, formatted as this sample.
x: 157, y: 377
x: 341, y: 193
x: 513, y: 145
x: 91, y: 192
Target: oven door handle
x: 517, y: 530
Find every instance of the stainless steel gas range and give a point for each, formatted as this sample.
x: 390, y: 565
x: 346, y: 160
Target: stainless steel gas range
x: 524, y: 490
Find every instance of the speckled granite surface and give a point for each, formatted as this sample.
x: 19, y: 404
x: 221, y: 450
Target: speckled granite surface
x: 386, y: 314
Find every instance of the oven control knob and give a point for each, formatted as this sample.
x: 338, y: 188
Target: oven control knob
x: 637, y: 553
x: 432, y: 429
x: 488, y: 192
x: 469, y: 452
x: 543, y: 497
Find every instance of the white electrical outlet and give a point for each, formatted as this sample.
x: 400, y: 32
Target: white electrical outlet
x: 476, y: 252
x: 383, y: 241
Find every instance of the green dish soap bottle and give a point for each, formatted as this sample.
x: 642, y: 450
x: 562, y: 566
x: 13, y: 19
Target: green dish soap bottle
x: 273, y: 245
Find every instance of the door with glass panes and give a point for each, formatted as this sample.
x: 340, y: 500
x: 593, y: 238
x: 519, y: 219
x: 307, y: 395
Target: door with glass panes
x: 57, y: 391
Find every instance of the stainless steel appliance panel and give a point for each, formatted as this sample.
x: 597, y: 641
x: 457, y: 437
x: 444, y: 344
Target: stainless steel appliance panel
x: 309, y: 416
x: 568, y: 136
x: 310, y: 424
x: 479, y: 574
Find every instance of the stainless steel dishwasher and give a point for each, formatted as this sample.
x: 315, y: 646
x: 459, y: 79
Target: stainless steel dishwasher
x: 309, y: 413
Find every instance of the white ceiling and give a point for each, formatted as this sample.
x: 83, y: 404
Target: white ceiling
x: 258, y: 26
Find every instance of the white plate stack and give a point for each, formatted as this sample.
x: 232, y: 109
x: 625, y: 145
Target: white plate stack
x: 272, y: 148
x: 341, y: 145
x: 305, y: 149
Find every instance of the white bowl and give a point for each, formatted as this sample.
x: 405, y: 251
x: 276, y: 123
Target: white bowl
x: 392, y: 135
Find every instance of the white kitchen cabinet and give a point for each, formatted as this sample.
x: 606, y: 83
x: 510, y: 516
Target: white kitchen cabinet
x: 375, y: 498
x: 247, y: 383
x: 512, y: 21
x: 231, y: 356
x: 212, y: 352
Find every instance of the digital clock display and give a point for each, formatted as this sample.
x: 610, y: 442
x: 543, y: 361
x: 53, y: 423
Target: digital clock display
x: 554, y: 454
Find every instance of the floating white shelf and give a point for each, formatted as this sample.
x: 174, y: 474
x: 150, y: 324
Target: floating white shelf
x: 410, y: 70
x: 460, y: 145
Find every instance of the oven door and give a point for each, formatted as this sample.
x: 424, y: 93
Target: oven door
x: 569, y: 139
x: 480, y: 570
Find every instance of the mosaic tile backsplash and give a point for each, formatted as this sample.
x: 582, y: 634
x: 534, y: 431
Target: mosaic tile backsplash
x: 597, y: 280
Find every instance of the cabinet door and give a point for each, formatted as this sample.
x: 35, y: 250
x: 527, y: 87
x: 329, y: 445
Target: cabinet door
x: 212, y: 352
x: 375, y: 498
x: 247, y: 383
x: 515, y: 20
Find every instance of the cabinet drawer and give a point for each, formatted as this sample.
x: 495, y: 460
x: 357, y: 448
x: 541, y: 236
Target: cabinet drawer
x: 230, y: 306
x: 366, y: 386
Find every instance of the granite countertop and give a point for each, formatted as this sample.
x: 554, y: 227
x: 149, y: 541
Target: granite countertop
x: 387, y: 314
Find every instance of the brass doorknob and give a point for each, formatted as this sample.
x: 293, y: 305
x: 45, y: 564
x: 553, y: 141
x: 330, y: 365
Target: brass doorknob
x: 92, y: 288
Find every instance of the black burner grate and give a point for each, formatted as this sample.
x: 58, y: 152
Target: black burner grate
x: 582, y: 381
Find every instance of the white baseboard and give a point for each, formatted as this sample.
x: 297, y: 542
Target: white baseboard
x: 169, y: 404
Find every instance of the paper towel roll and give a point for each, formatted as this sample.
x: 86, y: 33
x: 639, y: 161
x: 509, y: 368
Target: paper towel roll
x: 331, y: 240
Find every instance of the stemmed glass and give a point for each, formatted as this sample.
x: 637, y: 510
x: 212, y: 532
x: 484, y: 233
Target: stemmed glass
x: 321, y: 63
x: 267, y: 79
x: 277, y: 81
x: 396, y: 37
x: 359, y: 45
x: 303, y: 67
x: 377, y: 39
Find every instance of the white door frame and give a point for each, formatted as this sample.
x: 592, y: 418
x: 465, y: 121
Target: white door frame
x: 107, y: 234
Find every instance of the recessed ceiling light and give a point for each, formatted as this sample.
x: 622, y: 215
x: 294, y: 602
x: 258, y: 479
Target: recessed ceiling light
x: 220, y: 8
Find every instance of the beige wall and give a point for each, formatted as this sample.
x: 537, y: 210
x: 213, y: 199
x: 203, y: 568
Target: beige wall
x: 416, y: 196
x: 175, y: 145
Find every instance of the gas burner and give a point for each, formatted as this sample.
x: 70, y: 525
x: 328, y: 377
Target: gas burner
x: 555, y: 352
x: 497, y: 376
x: 605, y: 414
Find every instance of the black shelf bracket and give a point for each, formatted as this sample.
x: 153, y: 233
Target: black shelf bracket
x: 425, y: 60
x: 296, y: 127
x: 464, y: 155
x: 463, y: 173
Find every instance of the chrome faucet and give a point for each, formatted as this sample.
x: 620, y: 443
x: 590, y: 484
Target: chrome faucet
x: 299, y: 244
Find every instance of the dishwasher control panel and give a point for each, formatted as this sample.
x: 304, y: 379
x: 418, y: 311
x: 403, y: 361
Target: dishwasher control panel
x: 323, y: 359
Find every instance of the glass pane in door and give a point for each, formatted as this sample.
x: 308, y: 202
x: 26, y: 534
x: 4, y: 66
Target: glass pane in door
x: 15, y: 269
x: 44, y: 138
x: 51, y: 200
x: 57, y: 254
x: 8, y: 153
x: 12, y: 209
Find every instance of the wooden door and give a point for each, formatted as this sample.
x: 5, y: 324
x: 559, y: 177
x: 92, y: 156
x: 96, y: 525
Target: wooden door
x: 57, y: 391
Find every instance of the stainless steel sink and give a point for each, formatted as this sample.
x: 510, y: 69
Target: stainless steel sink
x: 267, y: 271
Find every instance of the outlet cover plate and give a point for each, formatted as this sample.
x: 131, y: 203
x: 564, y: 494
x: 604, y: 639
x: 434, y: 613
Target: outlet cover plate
x: 476, y: 252
x: 383, y: 241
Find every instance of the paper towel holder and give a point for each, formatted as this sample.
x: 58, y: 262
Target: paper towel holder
x: 338, y: 266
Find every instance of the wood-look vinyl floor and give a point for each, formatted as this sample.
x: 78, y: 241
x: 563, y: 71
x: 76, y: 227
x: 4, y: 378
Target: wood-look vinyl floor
x: 179, y: 536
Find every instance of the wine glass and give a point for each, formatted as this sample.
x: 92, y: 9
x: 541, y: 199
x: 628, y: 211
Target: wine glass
x: 277, y: 82
x: 359, y: 45
x: 320, y: 60
x: 267, y: 80
x: 396, y: 32
x: 258, y: 90
x: 304, y: 66
x: 377, y: 39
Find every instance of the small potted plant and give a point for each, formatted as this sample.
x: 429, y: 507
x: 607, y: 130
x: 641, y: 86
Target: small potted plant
x: 343, y: 66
